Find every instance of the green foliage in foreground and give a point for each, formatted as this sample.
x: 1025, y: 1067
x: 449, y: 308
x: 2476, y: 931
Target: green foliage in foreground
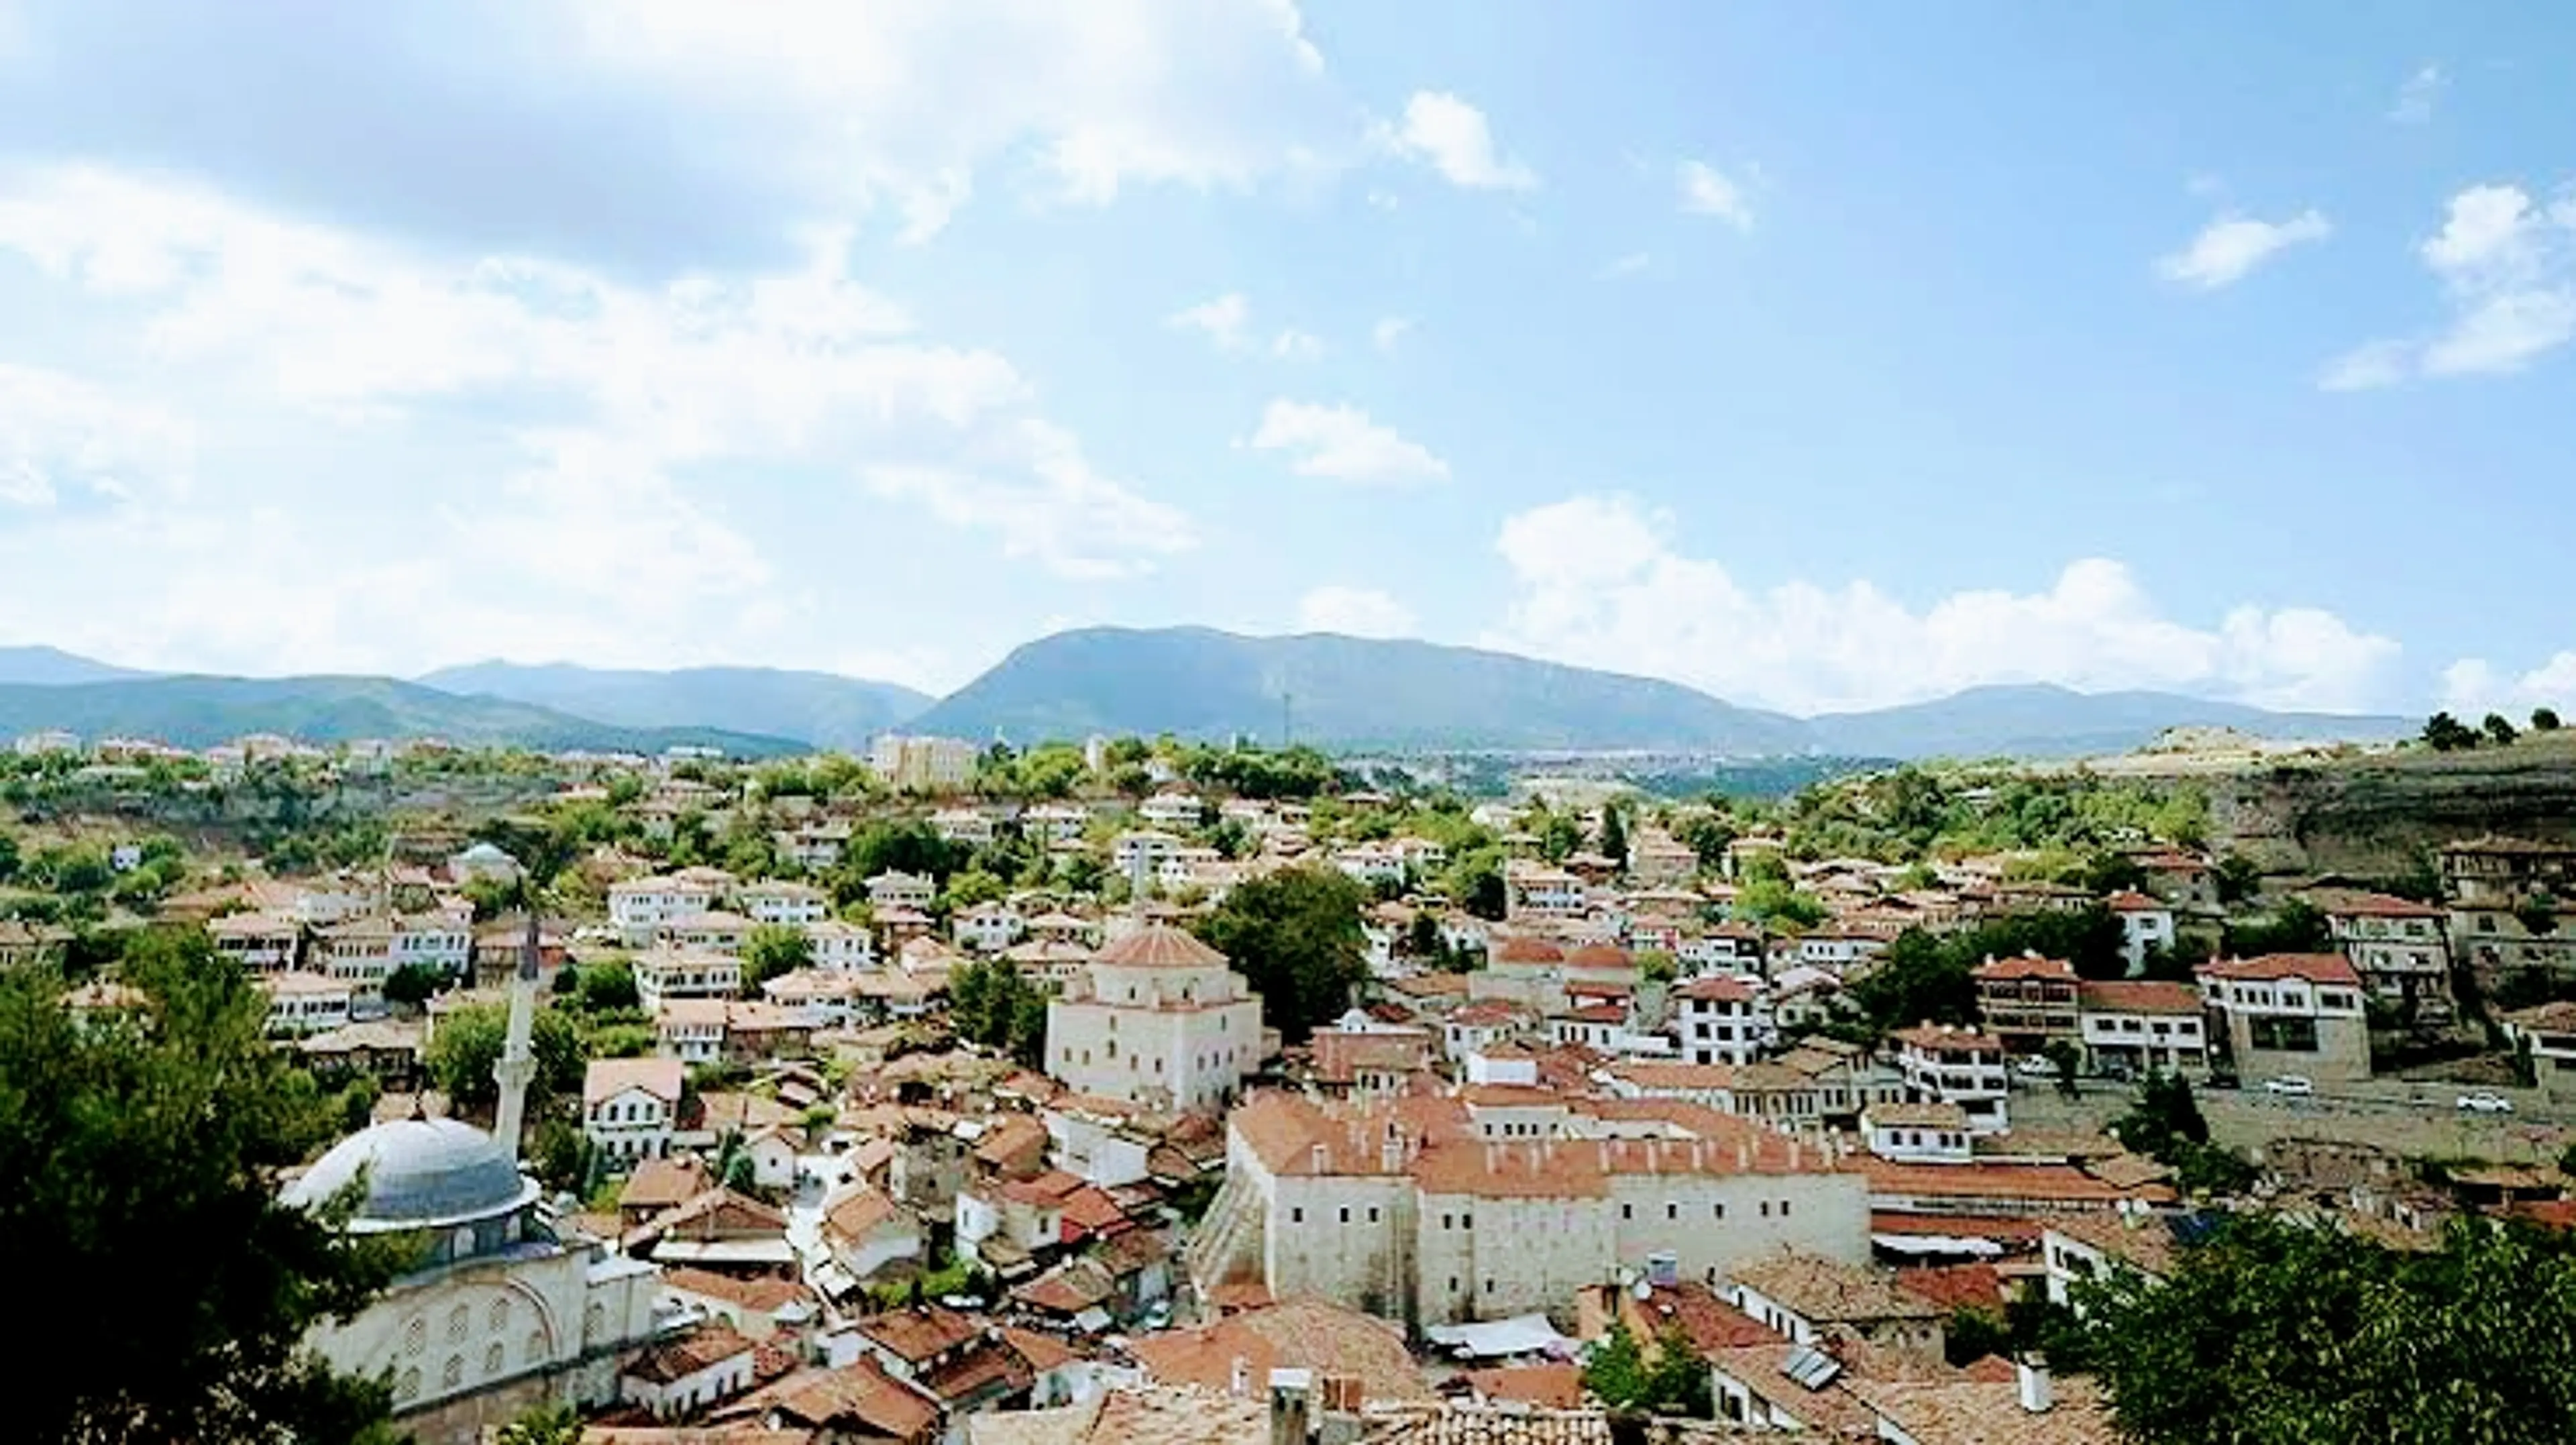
x: 2277, y: 1333
x: 137, y: 1159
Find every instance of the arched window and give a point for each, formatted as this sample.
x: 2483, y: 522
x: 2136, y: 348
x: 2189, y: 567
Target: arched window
x: 492, y: 1359
x: 536, y: 1348
x: 500, y: 1317
x: 415, y: 1336
x: 408, y: 1387
x: 454, y: 1375
x: 458, y: 1321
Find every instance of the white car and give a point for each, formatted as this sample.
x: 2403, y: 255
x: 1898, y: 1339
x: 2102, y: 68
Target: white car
x: 2484, y: 1103
x: 2294, y: 1085
x: 2035, y: 1067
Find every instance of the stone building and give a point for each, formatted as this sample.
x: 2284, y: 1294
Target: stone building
x: 1159, y: 1019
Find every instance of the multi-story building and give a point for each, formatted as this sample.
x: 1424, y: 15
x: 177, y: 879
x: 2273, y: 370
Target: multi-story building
x: 1160, y: 1019
x: 630, y: 1106
x: 441, y: 942
x: 968, y: 827
x: 922, y: 765
x: 815, y: 846
x: 2547, y: 1032
x: 772, y: 900
x: 1720, y: 1019
x: 259, y: 942
x: 841, y: 947
x: 2291, y: 1014
x: 716, y: 931
x: 1536, y: 891
x: 2397, y: 946
x: 359, y: 951
x: 1406, y: 1208
x: 2508, y: 905
x: 2028, y: 1002
x: 300, y: 1004
x: 1145, y: 848
x: 637, y: 906
x: 1173, y: 808
x: 666, y: 974
x: 1966, y: 1067
x: 2134, y: 1025
x: 898, y: 889
x: 2146, y: 922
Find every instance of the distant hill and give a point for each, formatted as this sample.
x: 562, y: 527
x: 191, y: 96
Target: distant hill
x: 198, y: 712
x: 2040, y: 720
x: 53, y: 667
x: 820, y: 708
x: 1338, y: 691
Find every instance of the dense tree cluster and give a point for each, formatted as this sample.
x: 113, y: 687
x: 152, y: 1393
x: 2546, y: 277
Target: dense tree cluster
x: 1295, y: 936
x: 990, y: 1002
x: 2278, y: 1332
x: 1672, y: 1379
x: 140, y: 1150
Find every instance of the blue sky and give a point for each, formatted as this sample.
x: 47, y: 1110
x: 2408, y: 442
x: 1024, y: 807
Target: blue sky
x: 1822, y: 356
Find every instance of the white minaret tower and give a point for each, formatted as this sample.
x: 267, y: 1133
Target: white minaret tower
x: 518, y: 1063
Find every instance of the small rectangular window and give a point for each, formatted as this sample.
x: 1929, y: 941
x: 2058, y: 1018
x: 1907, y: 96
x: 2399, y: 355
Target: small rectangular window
x: 1346, y: 1214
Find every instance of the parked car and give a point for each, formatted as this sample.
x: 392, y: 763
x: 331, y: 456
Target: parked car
x: 2483, y: 1102
x: 2036, y: 1067
x: 2296, y: 1086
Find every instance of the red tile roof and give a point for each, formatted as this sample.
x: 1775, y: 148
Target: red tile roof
x: 1159, y: 945
x: 2025, y: 966
x: 2273, y: 967
x: 2138, y: 996
x: 1717, y: 988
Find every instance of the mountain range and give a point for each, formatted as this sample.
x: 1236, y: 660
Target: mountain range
x: 1339, y: 692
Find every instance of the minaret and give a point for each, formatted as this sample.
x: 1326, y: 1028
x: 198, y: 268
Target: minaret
x: 518, y: 1063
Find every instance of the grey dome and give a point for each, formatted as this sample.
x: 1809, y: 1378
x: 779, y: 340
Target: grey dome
x: 421, y: 1173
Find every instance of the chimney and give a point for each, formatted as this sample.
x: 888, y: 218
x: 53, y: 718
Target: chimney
x: 1290, y: 1392
x: 2030, y: 1373
x: 1323, y: 1159
x: 1240, y: 1383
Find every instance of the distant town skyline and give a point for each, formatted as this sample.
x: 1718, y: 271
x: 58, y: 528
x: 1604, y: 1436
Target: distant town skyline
x: 1819, y: 358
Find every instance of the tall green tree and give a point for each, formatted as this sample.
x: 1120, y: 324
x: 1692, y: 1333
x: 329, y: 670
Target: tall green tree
x: 1614, y: 835
x: 468, y: 1042
x: 1615, y: 1370
x: 1295, y: 935
x: 140, y: 1153
x: 773, y: 949
x: 2284, y: 1333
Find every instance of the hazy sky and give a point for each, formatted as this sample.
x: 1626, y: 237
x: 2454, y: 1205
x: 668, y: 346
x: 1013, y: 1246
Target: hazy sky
x: 1818, y: 355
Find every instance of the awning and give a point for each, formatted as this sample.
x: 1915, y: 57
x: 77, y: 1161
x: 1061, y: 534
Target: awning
x: 1501, y: 1339
x: 1936, y: 1244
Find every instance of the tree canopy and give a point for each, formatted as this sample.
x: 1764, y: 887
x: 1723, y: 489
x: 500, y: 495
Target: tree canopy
x: 1295, y: 936
x: 990, y: 1002
x: 140, y: 1150
x: 469, y: 1041
x: 2283, y: 1333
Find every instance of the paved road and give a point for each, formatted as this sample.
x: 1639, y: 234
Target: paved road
x: 2408, y: 1118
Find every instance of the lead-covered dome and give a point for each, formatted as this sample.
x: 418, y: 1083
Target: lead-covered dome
x: 421, y: 1174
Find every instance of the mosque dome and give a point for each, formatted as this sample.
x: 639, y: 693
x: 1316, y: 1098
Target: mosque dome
x: 420, y: 1173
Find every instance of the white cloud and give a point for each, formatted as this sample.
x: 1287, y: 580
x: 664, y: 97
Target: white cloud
x: 61, y: 434
x: 1452, y: 137
x: 1354, y: 612
x: 1101, y: 93
x: 2507, y: 268
x: 1222, y: 320
x: 1597, y: 585
x: 2473, y: 687
x: 531, y: 440
x: 1621, y: 267
x: 1707, y: 192
x: 1295, y: 345
x: 2417, y: 97
x: 2367, y: 367
x: 2230, y: 247
x: 1388, y: 331
x: 1046, y: 502
x: 1342, y: 443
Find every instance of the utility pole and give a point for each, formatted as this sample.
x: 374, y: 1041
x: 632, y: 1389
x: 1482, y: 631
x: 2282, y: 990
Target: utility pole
x: 1287, y: 732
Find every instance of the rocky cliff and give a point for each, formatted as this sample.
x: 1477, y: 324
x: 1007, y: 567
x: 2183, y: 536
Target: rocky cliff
x: 2375, y: 815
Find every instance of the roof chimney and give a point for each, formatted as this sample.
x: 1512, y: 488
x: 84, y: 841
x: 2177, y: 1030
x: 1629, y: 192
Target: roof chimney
x: 2030, y: 1374
x: 1240, y: 1383
x: 1289, y: 1406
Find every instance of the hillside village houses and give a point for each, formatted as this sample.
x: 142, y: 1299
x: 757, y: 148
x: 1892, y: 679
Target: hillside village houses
x: 1459, y: 1151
